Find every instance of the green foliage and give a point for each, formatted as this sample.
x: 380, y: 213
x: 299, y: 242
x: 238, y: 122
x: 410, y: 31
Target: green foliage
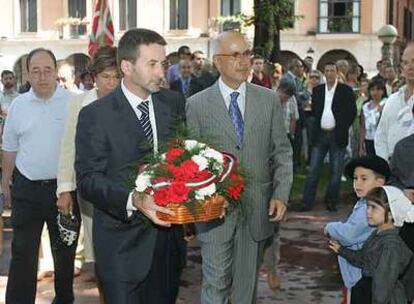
x: 271, y: 17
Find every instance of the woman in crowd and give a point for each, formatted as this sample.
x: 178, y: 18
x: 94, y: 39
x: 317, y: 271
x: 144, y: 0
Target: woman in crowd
x: 371, y: 112
x: 106, y: 75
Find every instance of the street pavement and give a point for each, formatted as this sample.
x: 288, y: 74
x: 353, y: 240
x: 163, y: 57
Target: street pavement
x: 308, y: 270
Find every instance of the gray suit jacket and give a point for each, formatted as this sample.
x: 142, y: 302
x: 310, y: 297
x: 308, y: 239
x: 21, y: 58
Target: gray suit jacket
x: 265, y: 154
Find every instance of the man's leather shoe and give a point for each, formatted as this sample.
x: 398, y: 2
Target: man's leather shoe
x: 273, y: 280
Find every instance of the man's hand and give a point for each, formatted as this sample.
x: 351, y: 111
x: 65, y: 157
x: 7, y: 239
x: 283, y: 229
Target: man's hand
x: 7, y: 195
x: 225, y: 206
x: 410, y: 194
x: 146, y: 205
x: 277, y: 209
x: 65, y: 203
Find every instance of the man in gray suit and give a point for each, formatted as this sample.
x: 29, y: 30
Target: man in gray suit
x: 246, y: 120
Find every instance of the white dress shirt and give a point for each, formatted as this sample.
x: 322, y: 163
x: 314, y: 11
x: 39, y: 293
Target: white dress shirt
x: 225, y: 91
x: 134, y: 101
x: 34, y: 129
x: 395, y: 123
x: 328, y: 120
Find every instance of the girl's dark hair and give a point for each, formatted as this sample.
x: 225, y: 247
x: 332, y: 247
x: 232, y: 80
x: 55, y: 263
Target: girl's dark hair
x: 105, y: 57
x: 378, y: 83
x: 379, y: 196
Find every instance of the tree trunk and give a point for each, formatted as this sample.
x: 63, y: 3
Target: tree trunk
x: 261, y: 33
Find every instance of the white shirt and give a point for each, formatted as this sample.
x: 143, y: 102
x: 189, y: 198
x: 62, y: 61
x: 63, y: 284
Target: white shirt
x: 395, y: 123
x: 328, y: 119
x: 134, y: 101
x: 225, y: 91
x: 34, y: 129
x: 6, y: 98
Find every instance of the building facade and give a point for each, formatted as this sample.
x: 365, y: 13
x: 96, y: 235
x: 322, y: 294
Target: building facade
x: 326, y: 29
x: 27, y: 24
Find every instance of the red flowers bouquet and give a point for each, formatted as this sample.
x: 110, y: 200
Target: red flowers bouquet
x: 193, y: 180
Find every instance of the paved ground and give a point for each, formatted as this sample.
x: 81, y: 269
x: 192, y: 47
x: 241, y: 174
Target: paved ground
x: 308, y: 270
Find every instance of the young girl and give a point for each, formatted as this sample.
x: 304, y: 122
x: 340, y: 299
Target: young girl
x: 371, y: 112
x: 385, y: 260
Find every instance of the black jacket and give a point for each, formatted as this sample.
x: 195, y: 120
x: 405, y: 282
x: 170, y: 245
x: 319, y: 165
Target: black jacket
x: 109, y: 144
x: 343, y: 108
x: 195, y: 86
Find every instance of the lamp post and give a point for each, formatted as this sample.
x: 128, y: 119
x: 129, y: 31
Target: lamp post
x: 387, y: 34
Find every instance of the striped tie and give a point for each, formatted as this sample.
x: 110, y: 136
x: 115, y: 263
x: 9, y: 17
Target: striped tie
x: 144, y: 120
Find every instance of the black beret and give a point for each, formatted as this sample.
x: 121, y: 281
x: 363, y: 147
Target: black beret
x: 375, y: 163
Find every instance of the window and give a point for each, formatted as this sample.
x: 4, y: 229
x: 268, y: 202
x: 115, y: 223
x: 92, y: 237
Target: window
x: 178, y: 14
x: 28, y: 15
x: 77, y: 9
x: 339, y: 16
x: 391, y: 12
x: 230, y: 7
x: 127, y: 14
x: 408, y: 23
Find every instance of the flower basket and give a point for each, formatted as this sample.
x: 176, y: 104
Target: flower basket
x: 193, y: 180
x: 204, y: 211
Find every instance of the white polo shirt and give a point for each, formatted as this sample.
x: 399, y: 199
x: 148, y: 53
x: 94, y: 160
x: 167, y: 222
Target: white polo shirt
x: 34, y: 129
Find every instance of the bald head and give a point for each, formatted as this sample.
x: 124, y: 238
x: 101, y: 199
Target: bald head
x: 226, y: 42
x: 407, y: 64
x: 231, y: 56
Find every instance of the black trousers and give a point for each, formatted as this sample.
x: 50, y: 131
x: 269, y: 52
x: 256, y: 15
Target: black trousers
x: 361, y: 293
x: 33, y: 204
x: 162, y: 282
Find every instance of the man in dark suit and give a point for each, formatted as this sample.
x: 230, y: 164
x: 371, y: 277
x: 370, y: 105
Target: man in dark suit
x: 186, y: 84
x: 137, y: 254
x: 334, y: 110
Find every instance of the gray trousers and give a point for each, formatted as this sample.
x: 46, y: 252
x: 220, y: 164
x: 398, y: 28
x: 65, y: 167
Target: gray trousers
x: 271, y: 256
x: 230, y: 265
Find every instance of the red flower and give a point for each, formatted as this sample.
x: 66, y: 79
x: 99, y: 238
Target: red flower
x: 161, y: 197
x: 174, y: 154
x: 178, y: 192
x: 202, y: 176
x: 185, y: 172
x: 236, y: 186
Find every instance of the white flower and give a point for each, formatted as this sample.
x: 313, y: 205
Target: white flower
x: 211, y: 153
x: 191, y: 144
x: 142, y: 182
x: 201, y: 161
x: 206, y: 191
x: 163, y: 156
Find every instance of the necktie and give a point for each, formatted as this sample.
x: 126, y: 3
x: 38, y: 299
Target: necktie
x: 186, y: 86
x: 144, y: 120
x: 236, y: 117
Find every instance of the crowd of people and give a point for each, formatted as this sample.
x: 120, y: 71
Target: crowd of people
x: 69, y: 138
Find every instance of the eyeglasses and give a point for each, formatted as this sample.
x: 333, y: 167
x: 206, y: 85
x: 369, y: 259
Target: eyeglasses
x: 238, y: 56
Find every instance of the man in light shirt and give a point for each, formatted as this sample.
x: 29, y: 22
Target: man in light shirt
x: 334, y: 110
x: 31, y: 142
x: 396, y: 119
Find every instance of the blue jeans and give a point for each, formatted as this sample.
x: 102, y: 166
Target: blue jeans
x: 325, y: 143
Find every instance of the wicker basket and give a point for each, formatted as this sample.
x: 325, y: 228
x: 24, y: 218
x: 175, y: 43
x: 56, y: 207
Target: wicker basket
x: 205, y: 211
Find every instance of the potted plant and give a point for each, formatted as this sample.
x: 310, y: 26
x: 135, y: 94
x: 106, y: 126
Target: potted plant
x: 68, y: 27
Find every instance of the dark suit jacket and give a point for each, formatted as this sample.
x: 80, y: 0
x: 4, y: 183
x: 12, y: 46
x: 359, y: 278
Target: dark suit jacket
x: 109, y: 144
x: 195, y: 86
x: 402, y: 165
x: 343, y: 108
